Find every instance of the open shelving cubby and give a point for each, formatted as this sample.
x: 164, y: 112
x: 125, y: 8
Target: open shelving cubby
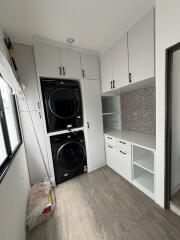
x: 143, y: 158
x: 143, y: 169
x: 144, y: 178
x: 111, y: 104
x: 111, y: 112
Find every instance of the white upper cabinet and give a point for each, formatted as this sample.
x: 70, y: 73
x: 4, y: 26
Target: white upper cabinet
x: 120, y: 63
x: 24, y: 57
x: 131, y: 58
x: 90, y: 66
x: 57, y: 62
x: 141, y: 48
x: 106, y: 71
x: 114, y: 66
x: 47, y: 60
x: 71, y: 64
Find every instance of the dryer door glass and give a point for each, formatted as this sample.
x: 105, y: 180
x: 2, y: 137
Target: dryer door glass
x: 63, y: 103
x: 70, y: 155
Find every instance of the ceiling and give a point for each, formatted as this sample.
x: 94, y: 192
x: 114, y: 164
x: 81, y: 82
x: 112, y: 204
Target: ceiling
x: 94, y: 23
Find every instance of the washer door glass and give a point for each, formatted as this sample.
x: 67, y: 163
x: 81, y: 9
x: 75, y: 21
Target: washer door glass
x: 63, y: 103
x: 70, y: 155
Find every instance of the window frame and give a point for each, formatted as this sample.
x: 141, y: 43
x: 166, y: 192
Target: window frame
x: 10, y: 154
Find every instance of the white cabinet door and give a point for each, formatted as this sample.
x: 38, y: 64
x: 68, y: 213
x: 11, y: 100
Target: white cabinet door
x: 141, y: 48
x: 106, y: 71
x: 35, y: 162
x: 47, y: 60
x: 93, y: 123
x: 24, y: 57
x: 90, y: 66
x: 120, y: 63
x: 71, y: 63
x: 111, y: 157
x: 124, y: 167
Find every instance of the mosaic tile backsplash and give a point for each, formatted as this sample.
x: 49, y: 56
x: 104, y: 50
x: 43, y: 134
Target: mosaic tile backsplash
x: 138, y: 111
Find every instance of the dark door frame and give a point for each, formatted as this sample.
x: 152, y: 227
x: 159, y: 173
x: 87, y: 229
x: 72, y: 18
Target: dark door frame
x: 168, y: 123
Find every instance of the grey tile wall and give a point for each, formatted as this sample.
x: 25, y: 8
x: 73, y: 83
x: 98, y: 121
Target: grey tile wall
x: 138, y: 111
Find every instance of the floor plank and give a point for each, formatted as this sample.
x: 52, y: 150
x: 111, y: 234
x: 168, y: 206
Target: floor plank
x: 101, y: 205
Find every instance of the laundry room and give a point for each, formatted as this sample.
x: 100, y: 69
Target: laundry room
x: 89, y: 120
x: 60, y: 108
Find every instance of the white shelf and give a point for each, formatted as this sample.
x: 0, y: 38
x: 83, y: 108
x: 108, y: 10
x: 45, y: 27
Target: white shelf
x: 111, y: 113
x: 146, y: 162
x: 144, y: 180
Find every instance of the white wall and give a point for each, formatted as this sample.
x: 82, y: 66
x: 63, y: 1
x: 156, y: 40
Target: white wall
x: 13, y: 199
x: 13, y: 193
x: 167, y: 34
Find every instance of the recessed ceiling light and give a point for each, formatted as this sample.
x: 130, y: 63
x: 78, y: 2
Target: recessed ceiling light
x: 70, y: 40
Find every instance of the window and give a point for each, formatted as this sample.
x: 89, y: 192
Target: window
x: 10, y: 136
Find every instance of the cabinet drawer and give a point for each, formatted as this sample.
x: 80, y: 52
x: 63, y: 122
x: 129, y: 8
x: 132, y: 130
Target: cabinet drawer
x: 111, y: 159
x: 123, y: 145
x: 124, y: 164
x: 110, y: 140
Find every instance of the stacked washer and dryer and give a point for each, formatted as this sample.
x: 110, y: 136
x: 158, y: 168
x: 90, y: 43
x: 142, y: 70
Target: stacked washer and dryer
x: 63, y: 111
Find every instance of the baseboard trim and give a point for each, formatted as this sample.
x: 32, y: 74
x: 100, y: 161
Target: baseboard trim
x: 174, y: 209
x: 175, y: 189
x: 93, y: 169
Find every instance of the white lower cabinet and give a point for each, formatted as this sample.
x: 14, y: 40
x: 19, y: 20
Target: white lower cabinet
x: 118, y: 156
x: 124, y: 164
x: 111, y: 157
x: 135, y: 163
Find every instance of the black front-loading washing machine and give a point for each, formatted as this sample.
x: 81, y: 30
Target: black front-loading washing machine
x: 62, y: 104
x: 69, y: 155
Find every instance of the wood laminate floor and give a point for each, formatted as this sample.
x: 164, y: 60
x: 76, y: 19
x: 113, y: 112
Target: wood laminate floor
x: 103, y: 206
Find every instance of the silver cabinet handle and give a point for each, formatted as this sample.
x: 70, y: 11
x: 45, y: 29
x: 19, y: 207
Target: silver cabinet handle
x: 123, y: 152
x: 130, y: 77
x: 109, y: 146
x: 60, y: 71
x: 83, y: 73
x: 88, y: 125
x: 113, y: 84
x: 122, y: 142
x: 109, y: 137
x: 64, y: 73
x: 40, y: 115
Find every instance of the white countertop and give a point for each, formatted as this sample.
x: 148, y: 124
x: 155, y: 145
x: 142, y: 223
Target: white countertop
x: 147, y: 141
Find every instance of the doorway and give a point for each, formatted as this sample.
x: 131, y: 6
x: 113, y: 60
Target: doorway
x: 172, y: 171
